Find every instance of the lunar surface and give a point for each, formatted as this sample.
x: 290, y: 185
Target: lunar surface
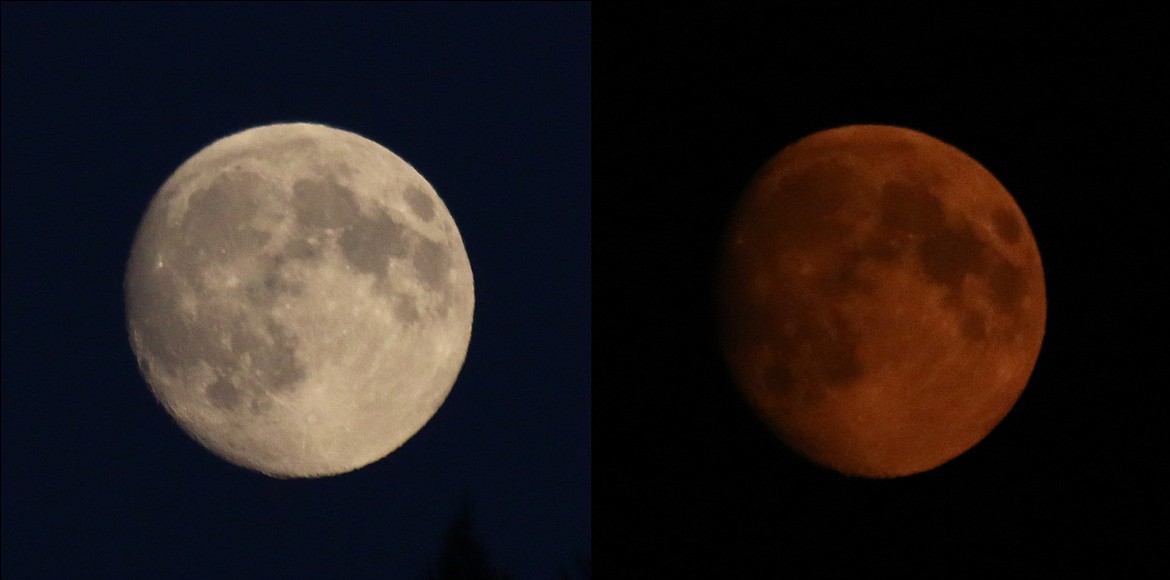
x: 882, y: 301
x: 299, y: 299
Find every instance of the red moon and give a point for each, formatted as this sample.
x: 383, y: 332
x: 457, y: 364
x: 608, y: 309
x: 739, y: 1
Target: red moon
x: 881, y: 297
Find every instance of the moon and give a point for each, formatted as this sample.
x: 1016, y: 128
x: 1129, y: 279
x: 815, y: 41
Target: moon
x: 881, y: 300
x: 299, y: 299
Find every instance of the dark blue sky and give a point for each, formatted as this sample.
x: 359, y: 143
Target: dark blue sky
x: 102, y: 102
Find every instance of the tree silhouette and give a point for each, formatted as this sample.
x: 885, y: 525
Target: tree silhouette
x: 463, y: 556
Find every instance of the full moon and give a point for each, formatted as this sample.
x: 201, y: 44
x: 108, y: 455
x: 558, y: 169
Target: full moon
x: 299, y: 299
x: 881, y: 299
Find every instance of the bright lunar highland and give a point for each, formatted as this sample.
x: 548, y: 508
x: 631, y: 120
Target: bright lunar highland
x: 882, y: 299
x: 299, y: 299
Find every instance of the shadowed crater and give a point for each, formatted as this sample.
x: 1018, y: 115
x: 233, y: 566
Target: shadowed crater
x: 405, y: 309
x: 432, y: 262
x: 818, y: 355
x: 1008, y: 286
x: 909, y: 213
x: 369, y: 243
x: 223, y: 394
x: 810, y: 352
x: 949, y: 254
x: 806, y: 204
x: 272, y: 352
x: 258, y: 406
x: 320, y: 203
x: 301, y: 249
x: 911, y: 208
x: 217, y: 222
x: 974, y: 326
x: 845, y: 279
x: 420, y: 203
x: 1006, y: 225
x: 275, y: 281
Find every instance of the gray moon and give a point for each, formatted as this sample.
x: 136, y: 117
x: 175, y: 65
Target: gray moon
x: 299, y: 299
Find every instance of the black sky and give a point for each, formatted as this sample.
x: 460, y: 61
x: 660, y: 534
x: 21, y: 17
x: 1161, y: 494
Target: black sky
x: 1061, y: 105
x: 101, y: 102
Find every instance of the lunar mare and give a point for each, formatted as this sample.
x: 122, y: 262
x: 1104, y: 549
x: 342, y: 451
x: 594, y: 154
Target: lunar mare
x: 299, y: 299
x: 881, y: 298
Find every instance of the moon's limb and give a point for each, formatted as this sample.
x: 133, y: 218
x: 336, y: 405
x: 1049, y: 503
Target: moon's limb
x: 299, y: 299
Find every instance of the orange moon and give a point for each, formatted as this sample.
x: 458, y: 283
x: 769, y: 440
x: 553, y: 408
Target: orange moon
x: 881, y: 299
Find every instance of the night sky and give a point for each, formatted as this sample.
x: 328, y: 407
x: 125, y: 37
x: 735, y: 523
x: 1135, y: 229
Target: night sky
x: 1062, y: 106
x: 101, y: 103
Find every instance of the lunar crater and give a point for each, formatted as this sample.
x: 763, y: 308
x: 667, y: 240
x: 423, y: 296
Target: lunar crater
x: 950, y: 254
x: 813, y: 350
x: 911, y: 207
x: 420, y: 203
x: 219, y: 218
x: 368, y: 244
x: 1006, y: 225
x: 810, y: 215
x: 322, y: 203
x: 223, y: 394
